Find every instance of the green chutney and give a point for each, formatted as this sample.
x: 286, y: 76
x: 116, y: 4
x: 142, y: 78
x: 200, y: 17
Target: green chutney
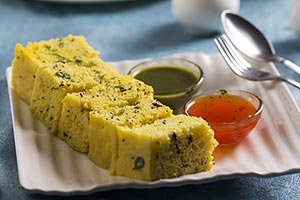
x: 167, y: 79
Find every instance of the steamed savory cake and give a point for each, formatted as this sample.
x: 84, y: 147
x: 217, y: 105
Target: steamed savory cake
x: 53, y: 83
x: 44, y: 72
x: 113, y: 118
x: 169, y: 147
x: 117, y: 92
x: 51, y: 86
x: 44, y: 54
x: 104, y: 125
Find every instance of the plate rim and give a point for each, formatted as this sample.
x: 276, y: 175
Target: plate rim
x: 139, y: 185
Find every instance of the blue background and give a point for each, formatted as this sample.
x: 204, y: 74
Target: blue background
x: 131, y: 30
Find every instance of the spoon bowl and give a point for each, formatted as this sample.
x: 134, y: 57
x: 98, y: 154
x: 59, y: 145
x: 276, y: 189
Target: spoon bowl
x: 250, y: 41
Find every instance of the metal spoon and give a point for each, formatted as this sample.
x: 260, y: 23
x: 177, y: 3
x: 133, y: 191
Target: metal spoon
x: 250, y: 41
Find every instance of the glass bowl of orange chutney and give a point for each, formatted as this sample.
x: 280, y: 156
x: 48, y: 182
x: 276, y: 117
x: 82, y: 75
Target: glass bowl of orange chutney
x: 232, y: 114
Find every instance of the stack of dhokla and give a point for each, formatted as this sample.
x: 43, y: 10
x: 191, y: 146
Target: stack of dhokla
x: 113, y: 118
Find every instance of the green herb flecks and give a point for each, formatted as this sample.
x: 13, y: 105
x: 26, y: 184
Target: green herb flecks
x: 190, y: 139
x: 62, y: 57
x: 63, y: 74
x: 139, y: 163
x: 48, y: 47
x: 135, y: 103
x: 174, y: 137
x: 61, y: 43
x: 91, y: 64
x: 121, y: 111
x: 78, y: 61
x: 176, y: 142
x: 122, y: 89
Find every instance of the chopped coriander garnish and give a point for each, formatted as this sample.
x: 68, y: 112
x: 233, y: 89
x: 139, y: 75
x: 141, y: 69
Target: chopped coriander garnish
x: 135, y: 103
x: 91, y: 64
x: 62, y: 57
x: 121, y: 111
x: 61, y: 43
x: 174, y: 136
x: 63, y: 74
x: 139, y: 163
x: 48, y: 47
x: 122, y: 89
x: 176, y: 142
x: 78, y: 61
x: 190, y: 139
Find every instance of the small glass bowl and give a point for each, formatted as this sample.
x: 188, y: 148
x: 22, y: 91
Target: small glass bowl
x: 174, y: 99
x: 233, y: 131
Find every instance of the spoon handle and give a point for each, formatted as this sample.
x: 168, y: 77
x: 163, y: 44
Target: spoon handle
x: 289, y: 64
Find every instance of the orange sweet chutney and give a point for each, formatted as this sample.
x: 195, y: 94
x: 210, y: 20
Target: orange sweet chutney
x: 220, y: 109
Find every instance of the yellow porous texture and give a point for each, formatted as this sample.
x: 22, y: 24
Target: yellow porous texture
x: 113, y: 118
x: 104, y: 125
x: 118, y: 92
x: 169, y: 147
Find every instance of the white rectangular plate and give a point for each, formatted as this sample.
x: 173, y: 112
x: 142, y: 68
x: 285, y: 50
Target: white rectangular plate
x: 48, y: 165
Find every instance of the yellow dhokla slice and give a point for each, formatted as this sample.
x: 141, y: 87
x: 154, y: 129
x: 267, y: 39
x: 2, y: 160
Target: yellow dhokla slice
x: 51, y: 86
x: 103, y: 133
x: 43, y: 54
x: 170, y: 147
x: 24, y: 68
x: 74, y: 120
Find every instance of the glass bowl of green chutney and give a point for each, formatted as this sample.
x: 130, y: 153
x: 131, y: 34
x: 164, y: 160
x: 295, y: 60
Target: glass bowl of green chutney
x: 174, y: 80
